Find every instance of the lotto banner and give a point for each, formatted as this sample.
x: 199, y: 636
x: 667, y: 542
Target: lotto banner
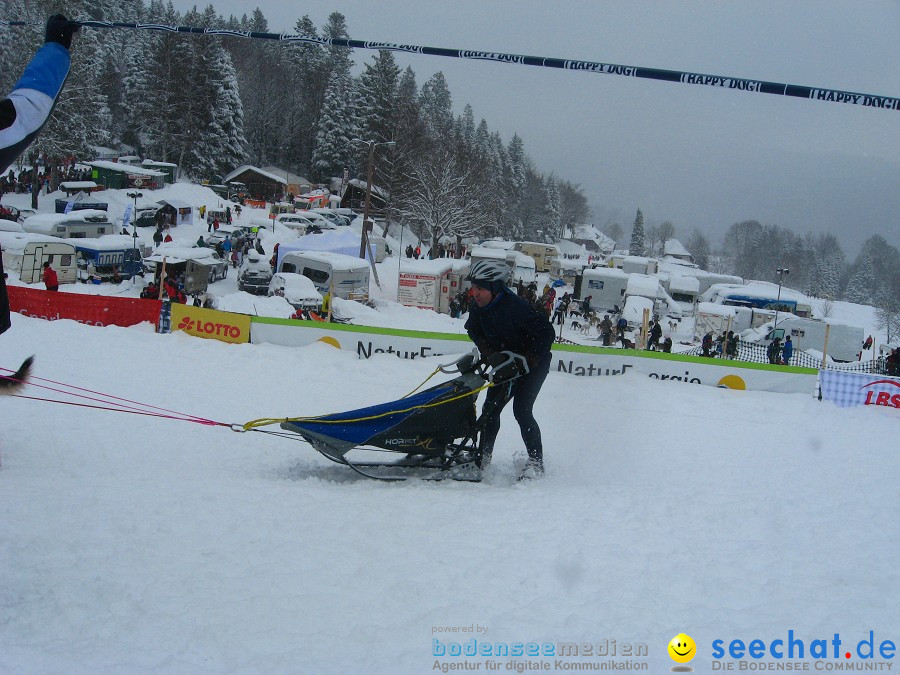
x: 852, y: 389
x: 211, y: 323
x: 93, y: 310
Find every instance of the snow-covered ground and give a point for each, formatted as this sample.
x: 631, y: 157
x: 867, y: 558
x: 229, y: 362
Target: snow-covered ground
x: 132, y: 543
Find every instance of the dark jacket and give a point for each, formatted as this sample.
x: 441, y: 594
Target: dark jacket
x: 511, y: 323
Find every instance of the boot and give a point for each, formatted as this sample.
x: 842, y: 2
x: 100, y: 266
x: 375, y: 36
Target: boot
x: 534, y: 468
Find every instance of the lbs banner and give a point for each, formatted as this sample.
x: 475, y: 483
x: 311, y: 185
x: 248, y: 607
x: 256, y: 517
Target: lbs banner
x: 852, y: 389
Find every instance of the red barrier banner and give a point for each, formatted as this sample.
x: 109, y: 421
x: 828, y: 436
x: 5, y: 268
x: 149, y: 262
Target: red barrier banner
x: 93, y: 310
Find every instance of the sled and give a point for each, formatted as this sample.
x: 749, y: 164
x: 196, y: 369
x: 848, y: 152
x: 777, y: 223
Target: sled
x: 433, y: 435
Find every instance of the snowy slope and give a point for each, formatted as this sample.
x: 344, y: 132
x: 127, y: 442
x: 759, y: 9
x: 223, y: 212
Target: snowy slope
x: 133, y: 544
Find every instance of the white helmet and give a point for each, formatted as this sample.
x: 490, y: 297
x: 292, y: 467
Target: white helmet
x: 489, y: 270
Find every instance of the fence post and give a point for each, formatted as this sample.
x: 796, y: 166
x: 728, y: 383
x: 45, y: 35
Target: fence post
x: 825, y: 346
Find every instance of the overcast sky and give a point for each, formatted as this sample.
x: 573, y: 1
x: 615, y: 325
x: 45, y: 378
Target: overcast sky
x: 698, y: 156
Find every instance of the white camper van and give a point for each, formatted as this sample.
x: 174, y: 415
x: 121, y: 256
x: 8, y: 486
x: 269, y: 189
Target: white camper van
x: 606, y: 286
x: 844, y: 342
x: 81, y: 223
x: 523, y: 267
x: 27, y: 253
x: 346, y: 275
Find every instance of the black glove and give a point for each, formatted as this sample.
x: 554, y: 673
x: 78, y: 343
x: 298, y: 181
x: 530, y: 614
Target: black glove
x: 61, y: 30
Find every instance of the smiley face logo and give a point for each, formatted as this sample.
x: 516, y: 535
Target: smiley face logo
x: 682, y: 648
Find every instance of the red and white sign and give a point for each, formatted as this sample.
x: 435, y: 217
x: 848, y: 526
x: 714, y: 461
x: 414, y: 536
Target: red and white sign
x: 852, y: 389
x: 93, y: 310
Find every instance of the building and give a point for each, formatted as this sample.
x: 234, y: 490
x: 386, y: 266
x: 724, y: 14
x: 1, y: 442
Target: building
x: 116, y: 176
x: 268, y: 182
x: 354, y: 197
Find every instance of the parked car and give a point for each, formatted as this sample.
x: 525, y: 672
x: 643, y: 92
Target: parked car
x: 218, y: 267
x: 297, y: 289
x: 254, y: 274
x: 236, y: 232
x: 333, y: 216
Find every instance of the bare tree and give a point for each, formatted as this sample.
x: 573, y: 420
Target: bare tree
x: 441, y: 200
x: 665, y: 231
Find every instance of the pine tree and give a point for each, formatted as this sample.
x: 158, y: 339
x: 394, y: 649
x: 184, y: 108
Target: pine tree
x: 861, y: 287
x: 553, y: 231
x: 637, y: 235
x: 334, y: 141
x: 436, y: 109
x: 698, y: 245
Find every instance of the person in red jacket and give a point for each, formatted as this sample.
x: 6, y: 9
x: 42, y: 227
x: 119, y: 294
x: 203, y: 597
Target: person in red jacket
x: 51, y: 281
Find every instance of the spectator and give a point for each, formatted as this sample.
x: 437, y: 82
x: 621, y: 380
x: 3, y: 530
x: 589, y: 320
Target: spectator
x: 787, y: 351
x: 606, y: 329
x: 706, y: 345
x: 655, y: 335
x: 51, y: 280
x: 731, y: 345
x: 773, y: 351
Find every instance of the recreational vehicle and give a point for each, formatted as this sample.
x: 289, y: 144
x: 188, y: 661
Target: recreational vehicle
x: 844, y: 342
x: 109, y: 257
x: 84, y: 223
x: 543, y: 254
x: 27, y: 253
x: 347, y: 276
x: 606, y: 286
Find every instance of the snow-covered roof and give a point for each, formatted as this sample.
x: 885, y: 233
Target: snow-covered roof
x: 384, y: 195
x: 684, y: 284
x: 339, y: 240
x: 109, y: 242
x: 77, y: 185
x: 642, y: 284
x: 174, y: 253
x: 176, y: 203
x: 125, y: 168
x: 606, y: 273
x: 484, y: 253
x: 295, y: 287
x: 15, y: 242
x: 426, y: 267
x: 498, y: 243
x: 291, y: 177
x: 716, y: 309
x: 590, y: 233
x: 42, y: 222
x: 338, y: 261
x: 676, y: 249
x: 153, y: 162
x: 271, y: 172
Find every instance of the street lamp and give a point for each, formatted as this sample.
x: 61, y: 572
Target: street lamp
x: 364, y: 236
x: 135, y: 196
x: 781, y: 271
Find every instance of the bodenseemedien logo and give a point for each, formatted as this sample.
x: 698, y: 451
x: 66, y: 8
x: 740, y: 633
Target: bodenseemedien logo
x: 682, y: 649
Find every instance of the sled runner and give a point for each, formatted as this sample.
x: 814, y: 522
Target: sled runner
x: 436, y: 432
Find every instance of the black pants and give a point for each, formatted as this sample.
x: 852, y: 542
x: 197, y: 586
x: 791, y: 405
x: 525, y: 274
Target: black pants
x: 523, y: 392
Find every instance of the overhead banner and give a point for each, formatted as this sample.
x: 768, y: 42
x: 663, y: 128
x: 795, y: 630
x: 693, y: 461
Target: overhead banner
x: 724, y: 82
x: 210, y: 323
x: 92, y: 310
x: 567, y: 359
x: 852, y: 389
